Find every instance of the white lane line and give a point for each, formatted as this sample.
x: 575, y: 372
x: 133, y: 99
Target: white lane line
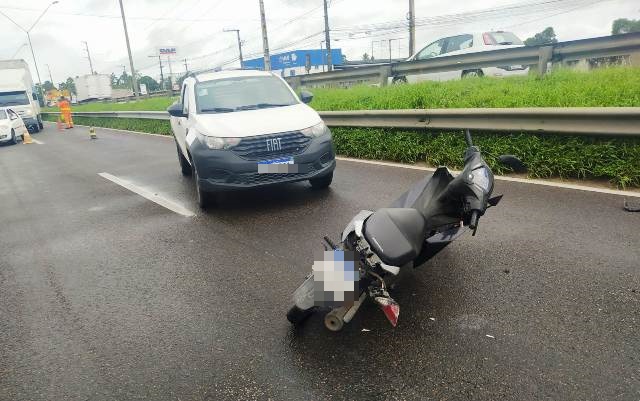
x: 174, y: 207
x: 37, y: 141
x: 503, y: 178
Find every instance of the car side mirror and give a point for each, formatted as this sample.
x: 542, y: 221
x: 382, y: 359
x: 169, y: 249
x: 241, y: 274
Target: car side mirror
x: 175, y: 110
x: 306, y: 97
x: 513, y: 163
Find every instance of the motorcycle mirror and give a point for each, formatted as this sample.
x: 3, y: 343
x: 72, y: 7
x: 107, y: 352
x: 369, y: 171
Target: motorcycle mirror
x: 514, y: 163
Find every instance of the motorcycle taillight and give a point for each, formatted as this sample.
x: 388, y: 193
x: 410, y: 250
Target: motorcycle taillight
x: 390, y: 308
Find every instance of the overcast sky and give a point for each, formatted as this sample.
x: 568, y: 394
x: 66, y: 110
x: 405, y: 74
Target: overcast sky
x: 195, y: 27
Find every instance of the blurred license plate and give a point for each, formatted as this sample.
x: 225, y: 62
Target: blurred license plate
x: 283, y: 165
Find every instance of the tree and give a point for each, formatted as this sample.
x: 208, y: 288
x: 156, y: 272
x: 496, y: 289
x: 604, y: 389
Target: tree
x: 152, y: 84
x: 47, y: 86
x: 366, y: 57
x: 623, y: 25
x: 546, y: 37
x: 69, y: 85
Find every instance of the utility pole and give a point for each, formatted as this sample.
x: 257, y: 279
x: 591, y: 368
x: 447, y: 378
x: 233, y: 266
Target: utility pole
x: 134, y: 83
x: 86, y: 47
x: 186, y: 67
x: 412, y: 27
x: 237, y: 31
x: 50, y: 77
x: 327, y: 37
x: 322, y: 54
x: 265, y: 39
x: 161, y: 74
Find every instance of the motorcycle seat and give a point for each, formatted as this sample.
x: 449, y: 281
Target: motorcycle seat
x: 396, y: 235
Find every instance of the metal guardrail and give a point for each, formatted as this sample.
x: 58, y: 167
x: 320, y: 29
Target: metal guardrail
x: 601, y: 121
x: 563, y: 52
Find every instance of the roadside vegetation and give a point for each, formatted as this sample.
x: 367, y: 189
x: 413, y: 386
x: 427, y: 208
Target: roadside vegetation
x: 547, y: 156
x: 604, y: 87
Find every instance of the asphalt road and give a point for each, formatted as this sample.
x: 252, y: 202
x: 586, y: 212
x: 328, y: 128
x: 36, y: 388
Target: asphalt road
x: 105, y: 295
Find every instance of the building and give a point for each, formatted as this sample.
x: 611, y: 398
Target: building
x: 298, y: 62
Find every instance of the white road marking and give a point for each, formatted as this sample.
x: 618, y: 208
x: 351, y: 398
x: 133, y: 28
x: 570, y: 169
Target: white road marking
x: 503, y: 178
x: 174, y: 207
x: 37, y: 141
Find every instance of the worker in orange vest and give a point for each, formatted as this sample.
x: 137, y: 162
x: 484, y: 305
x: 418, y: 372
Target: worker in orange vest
x: 65, y: 111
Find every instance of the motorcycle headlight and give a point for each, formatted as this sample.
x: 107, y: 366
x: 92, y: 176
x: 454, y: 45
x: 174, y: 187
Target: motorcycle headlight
x: 316, y: 131
x: 219, y: 143
x: 482, y: 177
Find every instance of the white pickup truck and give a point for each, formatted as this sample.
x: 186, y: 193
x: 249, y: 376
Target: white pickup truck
x: 17, y: 93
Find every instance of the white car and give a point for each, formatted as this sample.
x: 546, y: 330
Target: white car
x: 244, y: 129
x: 463, y: 44
x: 11, y: 127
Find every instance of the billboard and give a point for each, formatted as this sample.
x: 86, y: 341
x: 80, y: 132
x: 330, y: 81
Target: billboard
x: 167, y: 51
x: 296, y: 58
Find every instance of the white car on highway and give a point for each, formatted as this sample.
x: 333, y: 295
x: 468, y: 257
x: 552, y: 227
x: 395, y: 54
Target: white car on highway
x: 463, y: 44
x: 11, y: 127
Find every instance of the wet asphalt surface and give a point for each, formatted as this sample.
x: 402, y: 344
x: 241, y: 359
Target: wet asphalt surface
x: 105, y: 295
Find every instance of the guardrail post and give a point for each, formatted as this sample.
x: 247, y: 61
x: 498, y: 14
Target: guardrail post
x: 385, y: 73
x: 545, y: 54
x: 295, y: 82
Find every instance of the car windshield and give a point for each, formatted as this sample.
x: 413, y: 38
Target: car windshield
x: 3, y: 115
x: 13, y: 98
x: 242, y: 93
x: 502, y: 38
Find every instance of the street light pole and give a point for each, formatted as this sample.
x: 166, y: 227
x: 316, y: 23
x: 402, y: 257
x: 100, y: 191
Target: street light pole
x: 327, y: 36
x: 134, y: 83
x: 27, y: 31
x: 50, y: 77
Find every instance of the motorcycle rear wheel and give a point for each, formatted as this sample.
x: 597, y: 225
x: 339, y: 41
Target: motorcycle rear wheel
x: 298, y: 316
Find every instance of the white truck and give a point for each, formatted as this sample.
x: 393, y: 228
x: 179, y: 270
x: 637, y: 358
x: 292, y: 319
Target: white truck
x: 17, y: 93
x: 93, y: 87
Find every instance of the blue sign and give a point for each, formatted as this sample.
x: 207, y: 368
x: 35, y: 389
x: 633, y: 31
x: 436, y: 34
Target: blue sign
x: 296, y: 58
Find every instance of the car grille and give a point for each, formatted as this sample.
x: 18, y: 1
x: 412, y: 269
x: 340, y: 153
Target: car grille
x: 256, y: 179
x: 255, y: 147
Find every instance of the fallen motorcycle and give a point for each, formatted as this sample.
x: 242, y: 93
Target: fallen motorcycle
x: 374, y: 245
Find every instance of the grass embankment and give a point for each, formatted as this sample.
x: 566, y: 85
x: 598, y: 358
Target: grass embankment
x: 606, y: 87
x: 617, y: 160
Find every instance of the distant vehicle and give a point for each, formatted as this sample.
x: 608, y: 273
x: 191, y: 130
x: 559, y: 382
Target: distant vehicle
x: 11, y: 127
x: 244, y: 129
x: 16, y: 92
x: 463, y: 44
x: 93, y: 87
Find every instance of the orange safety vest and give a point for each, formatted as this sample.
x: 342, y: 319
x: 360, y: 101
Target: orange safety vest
x: 65, y: 107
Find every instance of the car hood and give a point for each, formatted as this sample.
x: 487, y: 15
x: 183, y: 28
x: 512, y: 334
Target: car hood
x: 272, y: 120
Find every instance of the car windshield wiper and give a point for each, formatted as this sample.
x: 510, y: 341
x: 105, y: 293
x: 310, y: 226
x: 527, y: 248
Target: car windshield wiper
x: 505, y: 43
x: 261, y: 106
x: 218, y: 110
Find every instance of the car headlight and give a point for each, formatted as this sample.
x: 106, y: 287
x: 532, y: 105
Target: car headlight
x: 27, y: 113
x: 317, y: 130
x: 219, y: 143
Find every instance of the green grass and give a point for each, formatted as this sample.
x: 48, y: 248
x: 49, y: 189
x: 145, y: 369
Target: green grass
x: 616, y: 160
x: 161, y: 127
x: 151, y: 104
x: 605, y: 87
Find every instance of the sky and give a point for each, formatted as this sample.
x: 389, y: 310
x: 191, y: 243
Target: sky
x: 196, y: 27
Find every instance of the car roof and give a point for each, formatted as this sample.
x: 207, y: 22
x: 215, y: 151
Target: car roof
x: 213, y: 75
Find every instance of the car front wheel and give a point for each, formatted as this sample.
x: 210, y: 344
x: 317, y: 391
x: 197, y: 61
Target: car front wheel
x: 205, y: 199
x: 14, y: 139
x: 185, y: 167
x: 322, y: 182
